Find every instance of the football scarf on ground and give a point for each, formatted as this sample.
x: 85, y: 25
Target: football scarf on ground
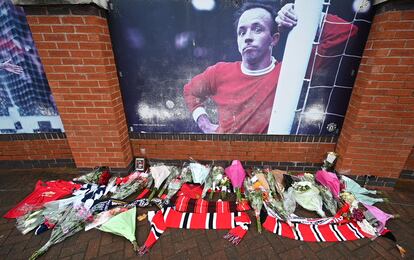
x: 237, y: 222
x: 331, y: 232
x: 186, y: 204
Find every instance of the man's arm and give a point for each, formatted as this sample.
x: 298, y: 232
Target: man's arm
x: 196, y: 92
x: 336, y: 30
x: 16, y: 69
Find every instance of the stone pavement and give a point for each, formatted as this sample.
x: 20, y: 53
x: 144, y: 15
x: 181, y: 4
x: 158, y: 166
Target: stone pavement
x: 196, y: 244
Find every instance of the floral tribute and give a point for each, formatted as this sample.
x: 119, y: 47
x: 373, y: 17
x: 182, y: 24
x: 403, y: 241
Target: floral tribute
x: 345, y: 210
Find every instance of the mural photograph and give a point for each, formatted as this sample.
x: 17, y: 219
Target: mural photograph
x: 26, y: 102
x: 238, y: 67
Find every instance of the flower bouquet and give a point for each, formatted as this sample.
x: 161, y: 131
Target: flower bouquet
x: 174, y: 172
x: 330, y: 181
x: 255, y: 196
x: 175, y: 185
x: 160, y: 174
x: 328, y: 200
x: 278, y: 176
x: 208, y: 184
x: 128, y: 185
x: 122, y: 224
x: 255, y: 192
x: 236, y: 174
x: 99, y: 175
x: 199, y: 172
x: 274, y: 207
x: 72, y: 221
x: 224, y: 186
x: 104, y: 216
x: 30, y: 221
x: 216, y: 176
x: 307, y: 195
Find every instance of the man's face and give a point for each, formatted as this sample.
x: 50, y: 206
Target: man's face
x: 254, y: 37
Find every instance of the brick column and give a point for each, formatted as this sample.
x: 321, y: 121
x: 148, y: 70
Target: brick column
x: 76, y: 51
x: 378, y: 132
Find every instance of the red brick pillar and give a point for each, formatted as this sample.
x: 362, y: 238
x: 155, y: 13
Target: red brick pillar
x: 378, y: 132
x: 76, y: 51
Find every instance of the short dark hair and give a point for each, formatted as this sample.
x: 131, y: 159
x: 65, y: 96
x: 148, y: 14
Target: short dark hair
x: 251, y: 5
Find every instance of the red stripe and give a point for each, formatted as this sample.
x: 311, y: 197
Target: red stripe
x: 173, y: 219
x: 198, y: 221
x: 270, y: 224
x: 327, y: 233
x: 223, y: 221
x: 306, y: 232
x: 151, y: 239
x: 287, y: 231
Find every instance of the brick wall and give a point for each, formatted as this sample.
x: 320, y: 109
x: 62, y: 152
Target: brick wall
x: 230, y: 150
x: 378, y: 132
x: 296, y: 153
x: 75, y: 49
x: 35, y: 151
x: 408, y: 170
x: 409, y: 165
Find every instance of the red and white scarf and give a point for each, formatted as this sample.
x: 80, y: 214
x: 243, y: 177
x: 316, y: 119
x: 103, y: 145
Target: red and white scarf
x: 237, y: 222
x: 331, y: 232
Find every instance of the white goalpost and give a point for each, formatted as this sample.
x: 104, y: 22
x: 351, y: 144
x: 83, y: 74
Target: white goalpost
x: 295, y: 62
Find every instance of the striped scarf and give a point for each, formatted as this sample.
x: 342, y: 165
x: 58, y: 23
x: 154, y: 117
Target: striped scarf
x: 237, y: 222
x: 330, y: 232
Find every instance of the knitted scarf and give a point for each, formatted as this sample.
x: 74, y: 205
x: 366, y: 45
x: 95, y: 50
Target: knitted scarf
x: 237, y: 222
x: 329, y: 232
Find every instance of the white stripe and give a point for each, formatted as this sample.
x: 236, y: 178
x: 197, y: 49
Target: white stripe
x: 342, y: 236
x: 167, y: 211
x: 182, y: 220
x: 300, y: 234
x: 314, y: 233
x: 207, y: 220
x: 339, y: 232
x: 320, y: 233
x: 280, y: 228
x: 214, y: 220
x: 189, y: 221
x: 333, y: 231
x: 294, y: 231
x: 353, y: 231
x: 356, y: 231
x: 232, y: 220
x: 297, y: 233
x: 274, y: 229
